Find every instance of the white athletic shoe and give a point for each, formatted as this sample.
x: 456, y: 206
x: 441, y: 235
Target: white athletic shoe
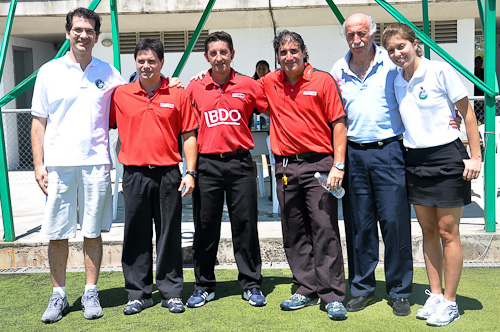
x: 430, y: 305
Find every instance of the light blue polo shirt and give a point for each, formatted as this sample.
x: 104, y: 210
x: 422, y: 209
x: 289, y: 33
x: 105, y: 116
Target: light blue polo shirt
x: 371, y: 105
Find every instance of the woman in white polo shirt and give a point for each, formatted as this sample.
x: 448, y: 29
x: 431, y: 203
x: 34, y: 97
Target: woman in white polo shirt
x: 438, y: 168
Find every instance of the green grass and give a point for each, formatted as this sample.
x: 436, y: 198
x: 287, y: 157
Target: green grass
x: 24, y: 297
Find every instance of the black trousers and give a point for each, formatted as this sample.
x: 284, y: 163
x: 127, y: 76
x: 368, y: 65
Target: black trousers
x: 235, y: 177
x: 309, y: 218
x: 378, y: 194
x: 152, y: 194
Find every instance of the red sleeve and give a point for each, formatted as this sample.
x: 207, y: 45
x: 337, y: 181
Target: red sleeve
x: 261, y: 103
x: 112, y: 111
x: 189, y: 118
x: 333, y: 100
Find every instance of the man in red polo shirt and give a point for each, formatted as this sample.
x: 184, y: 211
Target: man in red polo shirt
x: 306, y: 114
x: 224, y: 101
x: 150, y: 116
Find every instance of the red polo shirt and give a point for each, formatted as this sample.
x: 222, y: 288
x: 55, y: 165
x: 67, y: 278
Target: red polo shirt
x: 149, y: 128
x: 301, y: 114
x: 224, y: 112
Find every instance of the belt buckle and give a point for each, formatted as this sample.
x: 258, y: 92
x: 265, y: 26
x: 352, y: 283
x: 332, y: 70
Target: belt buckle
x: 297, y: 157
x: 222, y: 155
x: 380, y: 143
x: 151, y: 166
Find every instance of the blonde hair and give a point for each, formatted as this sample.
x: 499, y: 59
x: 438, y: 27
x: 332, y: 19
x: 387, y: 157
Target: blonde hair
x: 400, y: 30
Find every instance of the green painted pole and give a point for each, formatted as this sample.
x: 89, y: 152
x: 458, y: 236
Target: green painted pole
x: 336, y: 11
x: 7, y: 216
x: 194, y: 38
x: 5, y: 201
x: 489, y: 116
x: 30, y: 80
x: 439, y: 51
x: 116, y: 35
x: 427, y: 30
x: 480, y: 8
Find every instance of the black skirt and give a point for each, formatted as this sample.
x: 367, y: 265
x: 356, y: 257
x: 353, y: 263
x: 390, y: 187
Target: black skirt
x: 434, y: 176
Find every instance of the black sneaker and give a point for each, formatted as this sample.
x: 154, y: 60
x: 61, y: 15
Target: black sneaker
x: 136, y: 306
x: 401, y: 307
x: 174, y: 305
x: 359, y: 303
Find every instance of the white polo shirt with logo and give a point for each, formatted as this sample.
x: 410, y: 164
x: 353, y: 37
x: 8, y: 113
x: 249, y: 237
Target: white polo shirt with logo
x: 426, y: 104
x: 76, y: 105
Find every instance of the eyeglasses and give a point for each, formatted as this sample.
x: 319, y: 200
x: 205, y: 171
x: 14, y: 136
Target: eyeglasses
x: 79, y: 31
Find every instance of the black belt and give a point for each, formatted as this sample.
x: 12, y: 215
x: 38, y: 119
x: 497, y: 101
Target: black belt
x: 380, y: 143
x: 224, y: 155
x: 301, y: 156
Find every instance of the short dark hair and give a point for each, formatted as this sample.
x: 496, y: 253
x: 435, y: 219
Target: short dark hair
x: 85, y: 13
x: 286, y: 35
x: 152, y: 44
x: 219, y: 35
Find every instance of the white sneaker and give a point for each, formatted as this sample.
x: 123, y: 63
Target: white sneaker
x: 430, y: 305
x: 446, y: 312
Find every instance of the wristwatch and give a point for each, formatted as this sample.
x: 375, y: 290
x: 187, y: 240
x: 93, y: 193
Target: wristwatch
x: 194, y: 174
x: 339, y: 166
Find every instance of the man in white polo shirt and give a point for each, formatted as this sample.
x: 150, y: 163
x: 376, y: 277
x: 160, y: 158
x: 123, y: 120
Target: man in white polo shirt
x: 70, y: 154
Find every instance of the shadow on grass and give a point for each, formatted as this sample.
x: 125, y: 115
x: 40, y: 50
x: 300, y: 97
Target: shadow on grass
x: 419, y: 297
x: 116, y: 297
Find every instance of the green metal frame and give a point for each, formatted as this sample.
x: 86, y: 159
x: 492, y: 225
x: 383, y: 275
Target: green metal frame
x: 489, y: 116
x: 194, y: 38
x: 490, y: 87
x: 427, y: 30
x: 116, y: 35
x: 6, y: 204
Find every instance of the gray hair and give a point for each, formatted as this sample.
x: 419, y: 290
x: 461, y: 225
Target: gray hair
x: 372, y: 26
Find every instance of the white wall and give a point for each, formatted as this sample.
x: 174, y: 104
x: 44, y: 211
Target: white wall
x: 42, y: 52
x: 463, y: 50
x: 325, y: 45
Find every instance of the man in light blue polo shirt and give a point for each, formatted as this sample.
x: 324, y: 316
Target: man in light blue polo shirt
x: 376, y: 169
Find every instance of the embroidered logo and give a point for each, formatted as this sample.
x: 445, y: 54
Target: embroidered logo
x: 310, y: 93
x: 423, y: 93
x: 99, y: 83
x: 167, y: 105
x: 238, y: 95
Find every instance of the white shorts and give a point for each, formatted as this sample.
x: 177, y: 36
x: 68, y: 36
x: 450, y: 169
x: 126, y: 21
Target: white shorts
x: 83, y: 188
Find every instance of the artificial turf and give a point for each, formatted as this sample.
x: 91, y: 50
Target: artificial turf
x: 24, y: 297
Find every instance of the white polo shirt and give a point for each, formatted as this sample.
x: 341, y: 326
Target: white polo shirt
x: 76, y: 105
x: 426, y: 104
x: 371, y: 107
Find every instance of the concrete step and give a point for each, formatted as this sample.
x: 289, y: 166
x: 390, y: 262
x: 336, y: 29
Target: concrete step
x: 31, y: 252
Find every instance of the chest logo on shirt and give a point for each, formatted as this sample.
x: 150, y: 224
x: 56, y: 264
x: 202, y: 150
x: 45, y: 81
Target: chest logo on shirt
x: 222, y: 116
x: 310, y: 93
x: 238, y: 95
x: 167, y: 105
x: 423, y: 93
x: 99, y: 83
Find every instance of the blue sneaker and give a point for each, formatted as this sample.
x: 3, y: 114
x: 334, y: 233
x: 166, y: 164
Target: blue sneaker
x: 174, y: 305
x: 199, y: 298
x: 298, y: 301
x: 255, y: 297
x: 336, y: 311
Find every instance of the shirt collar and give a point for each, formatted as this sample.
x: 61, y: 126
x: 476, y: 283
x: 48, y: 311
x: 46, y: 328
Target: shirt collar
x: 70, y: 62
x: 138, y: 88
x: 378, y: 59
x: 208, y: 80
x: 306, y: 74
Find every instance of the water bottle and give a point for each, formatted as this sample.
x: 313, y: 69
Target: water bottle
x: 257, y: 123
x: 322, y: 179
